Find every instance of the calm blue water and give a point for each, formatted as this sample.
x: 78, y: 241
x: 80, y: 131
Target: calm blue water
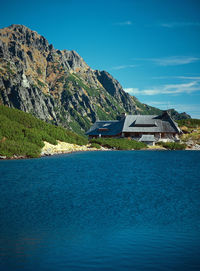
x: 125, y: 210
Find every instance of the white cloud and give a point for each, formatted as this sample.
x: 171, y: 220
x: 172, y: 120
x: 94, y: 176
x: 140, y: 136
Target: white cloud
x: 177, y: 77
x: 133, y: 91
x: 179, y: 24
x: 123, y: 67
x: 170, y: 89
x: 188, y: 77
x: 170, y: 61
x: 124, y: 23
x: 174, y: 60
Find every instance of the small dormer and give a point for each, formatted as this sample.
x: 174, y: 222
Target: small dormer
x: 104, y: 127
x: 144, y: 123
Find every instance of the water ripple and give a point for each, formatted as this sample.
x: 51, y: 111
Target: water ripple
x: 127, y: 210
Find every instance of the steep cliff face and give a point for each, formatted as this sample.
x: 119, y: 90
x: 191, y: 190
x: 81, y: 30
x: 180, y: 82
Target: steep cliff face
x: 58, y: 86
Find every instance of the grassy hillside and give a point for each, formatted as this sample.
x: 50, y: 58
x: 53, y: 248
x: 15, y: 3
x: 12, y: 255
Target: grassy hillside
x: 21, y: 134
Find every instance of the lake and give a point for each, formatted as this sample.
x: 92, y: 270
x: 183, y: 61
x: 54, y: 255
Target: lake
x: 89, y: 211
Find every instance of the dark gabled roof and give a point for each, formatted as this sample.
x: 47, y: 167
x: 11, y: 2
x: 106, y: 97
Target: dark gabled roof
x: 135, y: 123
x: 106, y: 128
x: 139, y: 123
x: 147, y: 138
x: 150, y: 124
x: 145, y: 120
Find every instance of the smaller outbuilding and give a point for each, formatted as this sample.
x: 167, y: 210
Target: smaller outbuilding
x: 148, y: 139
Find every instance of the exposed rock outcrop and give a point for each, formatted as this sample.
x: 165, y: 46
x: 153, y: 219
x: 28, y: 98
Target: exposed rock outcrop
x: 64, y: 147
x: 58, y: 86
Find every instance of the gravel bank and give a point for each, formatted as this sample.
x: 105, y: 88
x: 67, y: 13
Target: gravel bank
x: 63, y: 147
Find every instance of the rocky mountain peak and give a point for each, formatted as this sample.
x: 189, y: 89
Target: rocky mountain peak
x: 58, y: 86
x: 74, y: 60
x: 20, y: 34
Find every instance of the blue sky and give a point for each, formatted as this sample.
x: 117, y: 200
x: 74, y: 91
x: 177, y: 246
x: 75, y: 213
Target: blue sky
x: 152, y: 47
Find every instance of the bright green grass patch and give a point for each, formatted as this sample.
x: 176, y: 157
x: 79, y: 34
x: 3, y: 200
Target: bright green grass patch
x: 95, y: 145
x: 9, y: 148
x: 119, y: 143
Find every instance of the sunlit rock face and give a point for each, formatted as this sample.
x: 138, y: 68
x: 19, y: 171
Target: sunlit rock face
x: 58, y: 86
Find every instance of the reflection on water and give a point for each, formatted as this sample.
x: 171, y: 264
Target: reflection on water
x: 101, y: 211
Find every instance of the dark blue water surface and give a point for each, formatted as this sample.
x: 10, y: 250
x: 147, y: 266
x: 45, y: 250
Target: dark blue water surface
x: 120, y: 210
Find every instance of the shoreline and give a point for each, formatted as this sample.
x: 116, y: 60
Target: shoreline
x: 60, y: 148
x: 68, y: 148
x: 15, y: 157
x: 64, y: 148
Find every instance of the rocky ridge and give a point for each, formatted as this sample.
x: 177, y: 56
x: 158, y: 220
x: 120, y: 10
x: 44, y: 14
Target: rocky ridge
x: 58, y: 86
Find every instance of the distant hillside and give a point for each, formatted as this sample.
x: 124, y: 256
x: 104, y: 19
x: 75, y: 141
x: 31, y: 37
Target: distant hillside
x: 58, y: 86
x: 21, y: 134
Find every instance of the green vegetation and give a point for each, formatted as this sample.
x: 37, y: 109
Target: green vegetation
x: 9, y: 69
x: 22, y: 134
x: 146, y: 109
x: 70, y: 78
x: 39, y: 71
x: 101, y: 114
x: 76, y: 128
x: 41, y: 84
x: 82, y: 122
x: 66, y: 94
x: 172, y: 145
x: 77, y: 81
x: 190, y: 123
x: 95, y: 145
x: 119, y: 143
x: 61, y: 79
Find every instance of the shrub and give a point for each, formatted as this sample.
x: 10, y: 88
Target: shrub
x: 95, y: 145
x: 40, y: 83
x: 20, y: 148
x: 24, y: 134
x: 172, y: 145
x: 119, y: 143
x: 39, y: 71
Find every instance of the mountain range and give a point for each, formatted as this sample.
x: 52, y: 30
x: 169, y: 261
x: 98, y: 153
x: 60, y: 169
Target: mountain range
x: 58, y: 86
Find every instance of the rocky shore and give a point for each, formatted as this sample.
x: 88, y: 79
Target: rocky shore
x: 193, y: 147
x: 63, y: 147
